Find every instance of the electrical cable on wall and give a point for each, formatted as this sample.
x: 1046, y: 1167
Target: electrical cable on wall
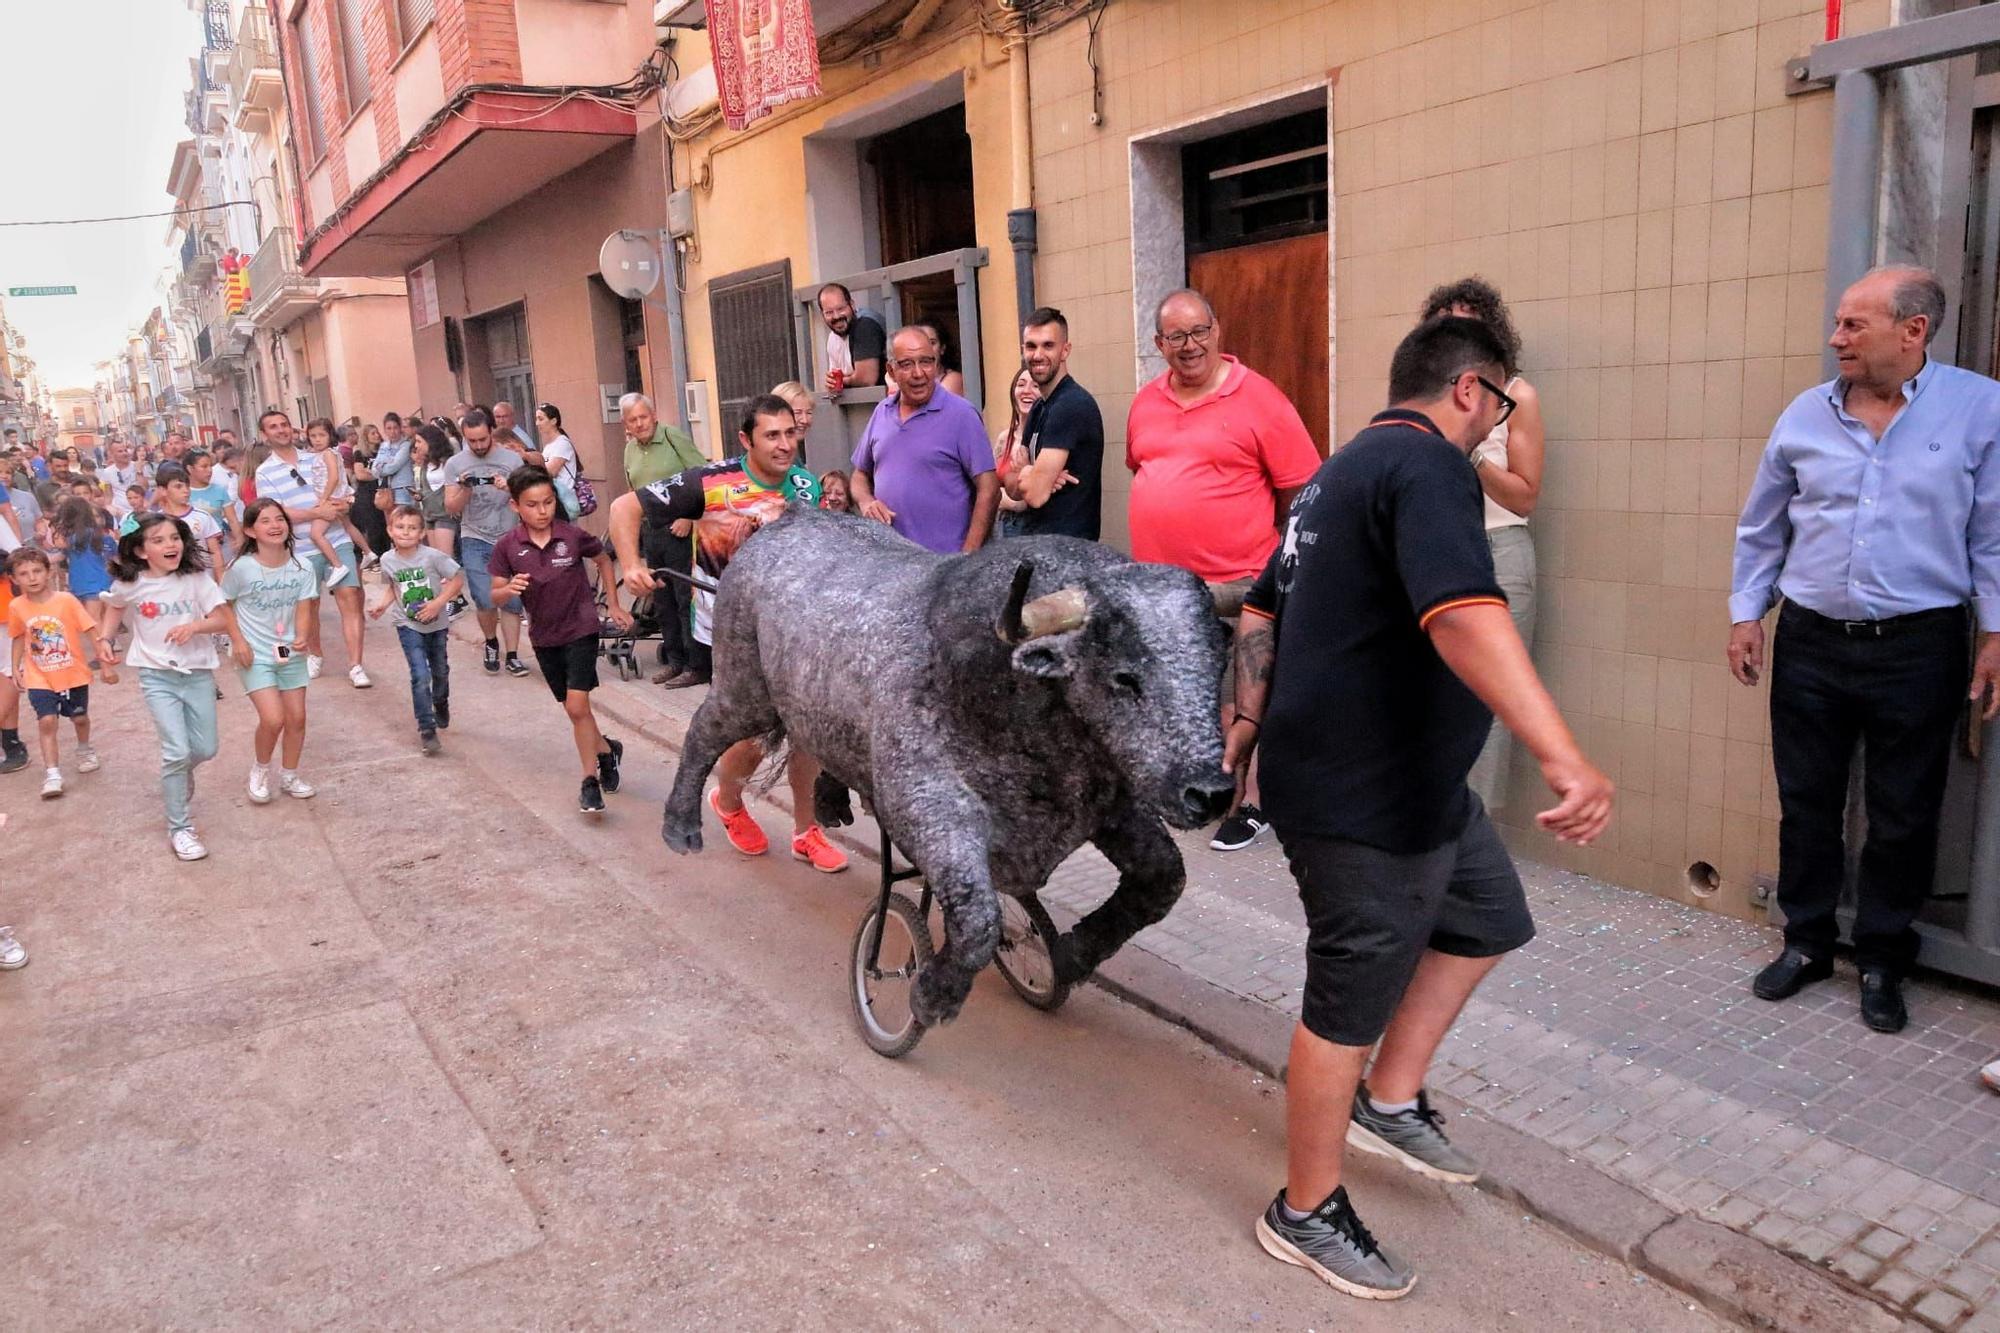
x: 131, y: 217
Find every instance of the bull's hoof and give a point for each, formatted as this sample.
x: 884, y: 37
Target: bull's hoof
x: 936, y: 997
x: 832, y: 805
x: 680, y: 834
x: 1070, y: 965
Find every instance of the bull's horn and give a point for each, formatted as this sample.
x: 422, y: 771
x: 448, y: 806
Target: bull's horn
x: 1056, y: 613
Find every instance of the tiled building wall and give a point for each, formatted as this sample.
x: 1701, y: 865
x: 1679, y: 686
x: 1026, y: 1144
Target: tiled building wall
x: 1635, y: 180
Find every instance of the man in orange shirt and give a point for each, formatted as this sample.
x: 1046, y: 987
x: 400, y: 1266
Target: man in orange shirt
x: 1217, y: 452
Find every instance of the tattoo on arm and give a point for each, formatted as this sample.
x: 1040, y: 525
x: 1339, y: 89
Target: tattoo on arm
x: 1256, y: 655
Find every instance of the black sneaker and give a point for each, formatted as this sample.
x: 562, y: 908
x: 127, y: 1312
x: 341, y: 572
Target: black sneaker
x: 491, y: 659
x: 1240, y: 829
x: 14, y: 759
x: 1331, y: 1243
x: 515, y: 666
x: 442, y: 711
x: 429, y: 740
x: 591, y: 799
x: 607, y: 764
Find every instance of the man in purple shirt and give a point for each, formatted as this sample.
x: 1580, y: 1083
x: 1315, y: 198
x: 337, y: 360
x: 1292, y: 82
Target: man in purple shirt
x: 924, y: 466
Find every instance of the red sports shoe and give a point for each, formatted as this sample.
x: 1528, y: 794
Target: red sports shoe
x: 740, y: 828
x: 812, y: 846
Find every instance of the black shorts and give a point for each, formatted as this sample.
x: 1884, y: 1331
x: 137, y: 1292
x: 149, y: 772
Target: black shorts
x: 569, y: 666
x: 1371, y: 914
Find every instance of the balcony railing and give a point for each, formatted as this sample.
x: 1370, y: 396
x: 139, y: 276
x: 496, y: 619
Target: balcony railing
x: 277, y: 287
x: 879, y: 291
x: 253, y: 66
x: 215, y: 25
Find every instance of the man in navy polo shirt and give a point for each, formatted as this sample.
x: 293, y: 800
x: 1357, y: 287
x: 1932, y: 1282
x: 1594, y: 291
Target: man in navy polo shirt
x: 1372, y: 647
x: 1063, y: 482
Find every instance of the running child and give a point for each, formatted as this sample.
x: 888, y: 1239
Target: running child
x: 177, y: 612
x: 209, y: 491
x: 274, y: 596
x: 173, y: 495
x: 79, y: 534
x: 49, y: 628
x: 541, y: 561
x: 420, y: 583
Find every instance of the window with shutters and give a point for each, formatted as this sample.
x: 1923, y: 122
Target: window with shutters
x: 353, y: 51
x: 309, y: 67
x: 411, y: 16
x: 750, y: 314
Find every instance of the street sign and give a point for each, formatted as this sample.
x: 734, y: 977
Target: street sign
x: 41, y: 291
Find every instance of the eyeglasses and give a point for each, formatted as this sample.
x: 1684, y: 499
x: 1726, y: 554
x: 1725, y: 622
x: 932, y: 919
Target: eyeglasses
x: 1199, y: 335
x: 1507, y: 405
x: 910, y: 363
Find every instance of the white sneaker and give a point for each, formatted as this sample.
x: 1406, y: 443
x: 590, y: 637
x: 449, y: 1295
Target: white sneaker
x: 294, y: 785
x: 12, y: 955
x: 1988, y: 1074
x: 260, y: 785
x: 359, y: 677
x: 313, y: 665
x: 87, y: 760
x: 52, y: 784
x: 187, y: 846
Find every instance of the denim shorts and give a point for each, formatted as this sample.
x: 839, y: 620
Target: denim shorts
x: 288, y: 675
x: 473, y: 555
x: 72, y: 702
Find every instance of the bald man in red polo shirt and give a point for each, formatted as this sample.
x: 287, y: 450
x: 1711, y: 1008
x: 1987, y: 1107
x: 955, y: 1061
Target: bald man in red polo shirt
x: 1217, y: 452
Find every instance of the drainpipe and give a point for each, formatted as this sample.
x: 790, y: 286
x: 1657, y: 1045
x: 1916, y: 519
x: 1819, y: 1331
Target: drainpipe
x: 1021, y: 228
x: 1852, y: 191
x: 676, y: 325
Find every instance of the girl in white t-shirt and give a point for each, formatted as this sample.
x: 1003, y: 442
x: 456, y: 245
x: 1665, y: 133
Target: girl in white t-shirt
x: 559, y: 457
x: 175, y: 608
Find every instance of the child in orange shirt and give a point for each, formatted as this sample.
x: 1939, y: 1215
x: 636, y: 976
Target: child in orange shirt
x: 49, y: 628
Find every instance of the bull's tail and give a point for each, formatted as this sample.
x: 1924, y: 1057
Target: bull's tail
x: 777, y: 752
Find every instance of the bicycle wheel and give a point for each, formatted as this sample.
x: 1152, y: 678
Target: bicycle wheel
x: 881, y: 994
x: 1026, y: 955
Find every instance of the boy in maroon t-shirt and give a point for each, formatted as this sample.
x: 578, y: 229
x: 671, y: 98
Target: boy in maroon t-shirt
x: 542, y: 562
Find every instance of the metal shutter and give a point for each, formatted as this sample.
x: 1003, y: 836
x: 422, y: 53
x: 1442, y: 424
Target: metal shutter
x: 750, y: 318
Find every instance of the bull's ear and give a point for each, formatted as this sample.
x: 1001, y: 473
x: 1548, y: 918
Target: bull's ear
x: 1051, y: 658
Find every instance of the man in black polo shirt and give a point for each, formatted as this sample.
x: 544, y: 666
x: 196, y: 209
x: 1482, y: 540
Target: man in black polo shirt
x: 1372, y: 647
x: 1064, y: 438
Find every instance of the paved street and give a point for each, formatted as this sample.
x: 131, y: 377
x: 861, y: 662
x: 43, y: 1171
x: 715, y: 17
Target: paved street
x: 433, y: 1050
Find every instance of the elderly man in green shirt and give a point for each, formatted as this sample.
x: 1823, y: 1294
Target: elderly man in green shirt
x: 655, y: 451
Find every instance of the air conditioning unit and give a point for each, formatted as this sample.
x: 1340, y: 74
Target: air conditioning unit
x: 693, y: 95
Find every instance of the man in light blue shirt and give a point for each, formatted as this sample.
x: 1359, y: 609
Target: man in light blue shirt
x: 1875, y: 515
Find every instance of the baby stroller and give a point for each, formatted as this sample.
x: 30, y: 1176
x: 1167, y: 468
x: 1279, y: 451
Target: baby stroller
x: 621, y: 647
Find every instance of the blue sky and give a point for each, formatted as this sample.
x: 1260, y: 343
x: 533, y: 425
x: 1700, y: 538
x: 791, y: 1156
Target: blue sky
x: 93, y: 94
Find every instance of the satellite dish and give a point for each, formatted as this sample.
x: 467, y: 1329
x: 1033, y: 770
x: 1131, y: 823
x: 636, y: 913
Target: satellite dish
x: 630, y: 263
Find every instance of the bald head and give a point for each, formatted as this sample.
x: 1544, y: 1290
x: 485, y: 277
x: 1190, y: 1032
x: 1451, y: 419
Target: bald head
x: 914, y: 358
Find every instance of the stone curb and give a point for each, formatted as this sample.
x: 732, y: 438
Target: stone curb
x: 1733, y: 1275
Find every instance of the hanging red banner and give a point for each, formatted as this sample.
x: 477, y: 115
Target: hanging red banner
x: 766, y: 54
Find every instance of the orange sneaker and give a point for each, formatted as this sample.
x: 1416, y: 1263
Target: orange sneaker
x: 740, y: 828
x: 812, y: 845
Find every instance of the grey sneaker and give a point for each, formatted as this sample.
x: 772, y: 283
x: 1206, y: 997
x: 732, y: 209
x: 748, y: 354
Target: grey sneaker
x: 1416, y: 1138
x: 1332, y: 1243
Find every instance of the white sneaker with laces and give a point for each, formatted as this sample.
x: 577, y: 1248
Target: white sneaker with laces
x: 260, y: 785
x: 12, y: 955
x: 52, y: 784
x: 187, y: 846
x: 313, y: 665
x: 294, y: 785
x: 87, y: 760
x: 359, y: 677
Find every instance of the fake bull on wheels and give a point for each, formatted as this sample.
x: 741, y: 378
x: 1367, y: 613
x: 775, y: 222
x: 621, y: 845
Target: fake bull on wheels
x: 997, y: 711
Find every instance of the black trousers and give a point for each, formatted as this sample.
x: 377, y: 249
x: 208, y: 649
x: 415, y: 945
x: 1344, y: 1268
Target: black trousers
x: 671, y: 604
x: 1901, y: 692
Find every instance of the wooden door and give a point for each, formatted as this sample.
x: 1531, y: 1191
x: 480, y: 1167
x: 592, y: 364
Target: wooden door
x: 1271, y: 299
